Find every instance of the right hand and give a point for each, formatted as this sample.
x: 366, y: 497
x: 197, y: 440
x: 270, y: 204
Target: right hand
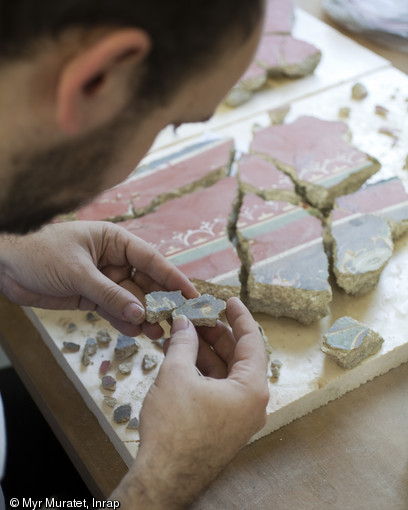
x: 192, y: 426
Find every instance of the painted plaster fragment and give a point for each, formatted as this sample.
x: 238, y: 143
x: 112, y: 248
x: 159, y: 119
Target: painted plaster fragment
x: 105, y: 366
x: 348, y: 342
x: 149, y: 362
x: 125, y: 368
x: 167, y: 178
x: 259, y: 176
x: 160, y: 305
x: 122, y: 413
x: 386, y: 198
x: 278, y: 17
x: 71, y: 346
x: 103, y: 338
x: 381, y: 111
x: 85, y: 360
x: 110, y: 401
x: 253, y: 79
x: 202, y: 311
x: 71, y: 327
x: 285, y: 262
x: 133, y: 424
x: 283, y: 55
x: 362, y: 248
x: 359, y: 92
x: 108, y: 383
x: 126, y: 346
x: 91, y: 346
x: 317, y: 156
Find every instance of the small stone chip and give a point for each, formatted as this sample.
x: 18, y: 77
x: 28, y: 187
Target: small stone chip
x: 277, y: 115
x: 110, y: 401
x: 359, y: 92
x: 71, y: 327
x: 202, y: 311
x: 160, y: 305
x: 125, y: 368
x: 348, y: 342
x: 126, y: 346
x: 71, y: 346
x: 91, y: 346
x: 381, y: 110
x: 85, y: 359
x: 149, y: 362
x: 389, y: 131
x: 103, y: 337
x: 105, y: 366
x: 108, y: 383
x: 92, y: 317
x: 122, y: 413
x: 133, y: 424
x: 276, y: 365
x: 344, y: 112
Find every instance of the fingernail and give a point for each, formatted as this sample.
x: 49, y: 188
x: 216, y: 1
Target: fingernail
x: 134, y: 313
x: 179, y: 323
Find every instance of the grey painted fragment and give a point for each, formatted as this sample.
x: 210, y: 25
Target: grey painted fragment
x: 122, y: 413
x: 71, y: 346
x: 160, y: 305
x: 202, y: 311
x: 126, y: 346
x: 348, y: 342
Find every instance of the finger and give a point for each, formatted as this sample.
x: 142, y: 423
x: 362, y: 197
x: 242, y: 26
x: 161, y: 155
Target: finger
x: 116, y: 273
x: 134, y: 289
x: 124, y: 327
x: 155, y: 266
x: 114, y: 299
x: 182, y: 348
x: 209, y: 363
x: 152, y: 331
x: 221, y: 339
x: 147, y: 283
x: 250, y: 355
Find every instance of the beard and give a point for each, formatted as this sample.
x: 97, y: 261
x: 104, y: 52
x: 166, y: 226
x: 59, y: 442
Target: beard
x: 59, y: 179
x: 21, y: 223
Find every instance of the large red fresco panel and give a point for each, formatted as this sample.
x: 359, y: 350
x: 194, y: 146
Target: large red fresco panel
x: 161, y: 180
x: 192, y: 232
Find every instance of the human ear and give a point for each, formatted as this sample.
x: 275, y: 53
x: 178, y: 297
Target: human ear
x: 93, y: 85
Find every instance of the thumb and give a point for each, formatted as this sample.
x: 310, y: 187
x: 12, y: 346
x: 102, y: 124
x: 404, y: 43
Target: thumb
x: 111, y: 297
x: 183, y: 345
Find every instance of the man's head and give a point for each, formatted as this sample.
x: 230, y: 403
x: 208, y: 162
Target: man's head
x: 86, y: 85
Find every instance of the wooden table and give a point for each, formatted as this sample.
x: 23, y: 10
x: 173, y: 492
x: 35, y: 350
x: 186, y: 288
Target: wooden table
x: 350, y: 454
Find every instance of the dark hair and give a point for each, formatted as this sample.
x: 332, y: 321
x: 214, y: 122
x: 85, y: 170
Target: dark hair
x: 185, y: 33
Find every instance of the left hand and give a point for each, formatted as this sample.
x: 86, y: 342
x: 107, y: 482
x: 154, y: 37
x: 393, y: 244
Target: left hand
x: 87, y: 266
